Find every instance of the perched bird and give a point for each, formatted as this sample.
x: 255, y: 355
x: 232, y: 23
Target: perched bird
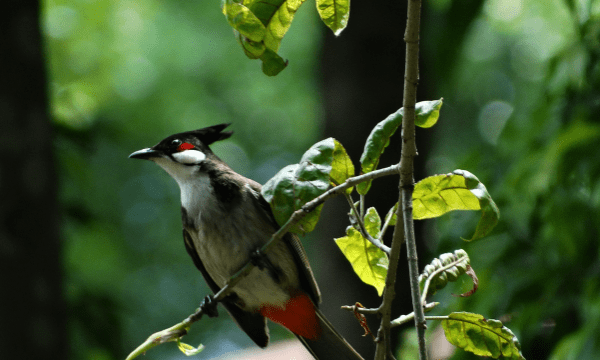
x: 225, y: 221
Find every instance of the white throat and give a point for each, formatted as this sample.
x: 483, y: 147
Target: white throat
x: 194, y: 185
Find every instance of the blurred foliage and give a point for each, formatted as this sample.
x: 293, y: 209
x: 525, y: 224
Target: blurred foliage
x: 523, y: 114
x: 124, y: 75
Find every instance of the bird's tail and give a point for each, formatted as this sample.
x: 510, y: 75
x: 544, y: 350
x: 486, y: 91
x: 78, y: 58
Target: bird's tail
x: 329, y: 344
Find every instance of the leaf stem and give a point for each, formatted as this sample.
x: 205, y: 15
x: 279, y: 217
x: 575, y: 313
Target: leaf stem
x: 409, y: 317
x: 360, y: 310
x: 385, y: 226
x: 363, y: 230
x: 444, y: 317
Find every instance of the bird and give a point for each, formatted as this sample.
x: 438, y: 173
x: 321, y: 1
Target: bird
x: 225, y: 221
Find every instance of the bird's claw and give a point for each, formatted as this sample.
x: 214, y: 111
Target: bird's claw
x: 209, y: 306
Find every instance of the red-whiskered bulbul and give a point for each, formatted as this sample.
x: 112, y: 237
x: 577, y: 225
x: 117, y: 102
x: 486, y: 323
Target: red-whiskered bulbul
x: 225, y: 221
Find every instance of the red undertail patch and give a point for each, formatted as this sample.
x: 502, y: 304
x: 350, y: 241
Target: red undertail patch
x: 298, y: 316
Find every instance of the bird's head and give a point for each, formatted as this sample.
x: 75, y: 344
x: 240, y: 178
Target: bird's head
x: 181, y: 154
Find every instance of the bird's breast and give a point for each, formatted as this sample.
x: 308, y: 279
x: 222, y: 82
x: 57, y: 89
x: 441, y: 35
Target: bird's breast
x: 224, y: 241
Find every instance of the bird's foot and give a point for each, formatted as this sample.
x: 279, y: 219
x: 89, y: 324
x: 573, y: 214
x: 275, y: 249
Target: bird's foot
x: 209, y: 306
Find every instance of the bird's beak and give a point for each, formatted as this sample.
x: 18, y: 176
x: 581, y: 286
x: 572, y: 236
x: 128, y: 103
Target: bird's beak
x: 146, y: 154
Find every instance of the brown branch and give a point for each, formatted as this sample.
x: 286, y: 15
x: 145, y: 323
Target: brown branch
x: 404, y: 222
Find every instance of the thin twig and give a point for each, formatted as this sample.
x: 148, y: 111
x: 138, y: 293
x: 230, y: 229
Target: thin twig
x: 362, y: 205
x: 361, y: 310
x: 363, y: 230
x: 409, y: 317
x: 386, y: 224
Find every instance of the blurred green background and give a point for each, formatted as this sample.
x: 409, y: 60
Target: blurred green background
x: 521, y: 88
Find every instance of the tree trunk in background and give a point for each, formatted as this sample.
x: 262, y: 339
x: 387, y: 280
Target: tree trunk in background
x: 33, y: 314
x: 363, y: 78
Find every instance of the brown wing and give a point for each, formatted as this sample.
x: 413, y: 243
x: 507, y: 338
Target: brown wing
x: 307, y: 278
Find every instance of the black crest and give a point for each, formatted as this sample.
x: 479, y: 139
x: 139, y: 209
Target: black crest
x: 211, y: 134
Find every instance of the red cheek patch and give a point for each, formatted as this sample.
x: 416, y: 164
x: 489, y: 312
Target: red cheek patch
x: 185, y: 146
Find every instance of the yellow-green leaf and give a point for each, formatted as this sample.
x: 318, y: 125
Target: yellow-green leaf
x: 427, y: 113
x: 460, y: 190
x: 189, y: 350
x: 244, y: 21
x: 277, y: 16
x: 341, y: 167
x: 372, y: 222
x: 367, y: 260
x: 334, y: 13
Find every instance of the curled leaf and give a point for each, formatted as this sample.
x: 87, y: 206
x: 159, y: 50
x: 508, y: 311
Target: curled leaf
x: 455, y: 264
x: 272, y: 64
x: 297, y: 184
x: 460, y: 190
x: 243, y: 20
x: 189, y: 350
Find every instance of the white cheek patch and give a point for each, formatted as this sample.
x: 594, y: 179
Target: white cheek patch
x: 189, y: 157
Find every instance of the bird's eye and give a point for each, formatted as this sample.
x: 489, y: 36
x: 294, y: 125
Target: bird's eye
x: 176, y: 143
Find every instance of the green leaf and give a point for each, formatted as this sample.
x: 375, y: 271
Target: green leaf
x: 367, y: 260
x: 461, y: 261
x: 427, y: 113
x: 295, y: 185
x: 390, y: 217
x: 460, y: 190
x: 474, y: 333
x: 372, y: 222
x: 272, y: 64
x: 341, y: 167
x: 252, y: 49
x: 276, y: 16
x: 334, y: 13
x: 244, y: 21
x: 260, y: 27
x: 189, y: 350
x: 378, y: 140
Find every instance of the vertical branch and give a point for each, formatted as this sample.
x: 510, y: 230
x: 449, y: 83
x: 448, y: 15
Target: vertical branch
x: 409, y: 151
x: 404, y: 224
x: 384, y: 349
